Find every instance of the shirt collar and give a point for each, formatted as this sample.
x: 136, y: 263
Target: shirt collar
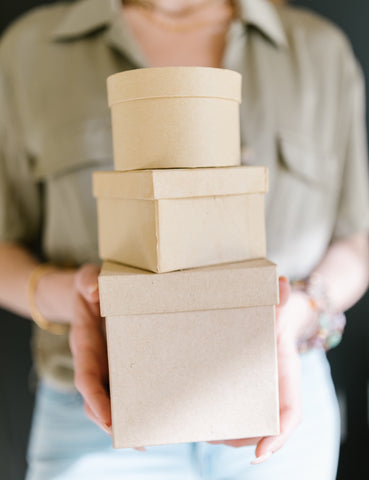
x: 86, y: 16
x: 263, y: 15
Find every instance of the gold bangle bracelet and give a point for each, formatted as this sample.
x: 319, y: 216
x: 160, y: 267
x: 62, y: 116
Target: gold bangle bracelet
x: 37, y: 273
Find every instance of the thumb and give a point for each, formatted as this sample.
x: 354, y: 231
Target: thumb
x: 86, y: 282
x: 284, y: 290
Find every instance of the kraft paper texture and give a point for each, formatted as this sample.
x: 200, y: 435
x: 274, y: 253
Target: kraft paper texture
x: 192, y: 354
x: 175, y: 117
x: 164, y: 82
x: 125, y: 290
x: 194, y: 376
x: 167, y: 234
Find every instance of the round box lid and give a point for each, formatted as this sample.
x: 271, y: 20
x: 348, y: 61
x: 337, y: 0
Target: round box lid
x: 174, y: 82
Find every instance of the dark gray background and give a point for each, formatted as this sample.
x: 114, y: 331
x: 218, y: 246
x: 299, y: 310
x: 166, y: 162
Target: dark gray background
x: 350, y: 361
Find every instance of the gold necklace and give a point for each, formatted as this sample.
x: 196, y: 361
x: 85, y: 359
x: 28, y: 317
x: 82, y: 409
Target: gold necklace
x: 155, y: 7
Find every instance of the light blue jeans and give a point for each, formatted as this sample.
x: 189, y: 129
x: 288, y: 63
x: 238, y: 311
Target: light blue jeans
x: 65, y: 445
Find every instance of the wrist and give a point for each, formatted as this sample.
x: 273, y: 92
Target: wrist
x: 54, y: 295
x: 296, y: 320
x: 327, y: 329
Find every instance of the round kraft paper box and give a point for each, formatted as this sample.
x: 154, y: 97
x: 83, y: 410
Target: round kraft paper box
x: 175, y: 117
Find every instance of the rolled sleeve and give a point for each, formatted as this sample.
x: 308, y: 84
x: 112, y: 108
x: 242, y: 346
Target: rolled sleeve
x: 353, y: 208
x: 19, y: 193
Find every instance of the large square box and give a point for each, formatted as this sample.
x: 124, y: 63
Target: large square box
x: 192, y: 354
x: 166, y: 220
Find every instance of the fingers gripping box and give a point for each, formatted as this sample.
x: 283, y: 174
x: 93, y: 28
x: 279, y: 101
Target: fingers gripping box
x: 192, y: 354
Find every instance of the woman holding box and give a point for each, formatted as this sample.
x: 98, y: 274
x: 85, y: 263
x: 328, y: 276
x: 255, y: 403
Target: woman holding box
x: 302, y: 116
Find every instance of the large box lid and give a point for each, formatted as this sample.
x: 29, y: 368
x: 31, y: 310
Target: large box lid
x: 180, y: 183
x: 125, y: 290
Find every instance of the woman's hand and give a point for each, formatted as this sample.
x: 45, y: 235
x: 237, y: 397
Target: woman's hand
x: 88, y: 345
x: 71, y: 296
x: 289, y: 381
x: 290, y: 407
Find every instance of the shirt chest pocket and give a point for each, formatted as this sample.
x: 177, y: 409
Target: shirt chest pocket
x: 301, y: 204
x: 75, y: 147
x: 307, y: 181
x: 306, y: 163
x: 64, y: 168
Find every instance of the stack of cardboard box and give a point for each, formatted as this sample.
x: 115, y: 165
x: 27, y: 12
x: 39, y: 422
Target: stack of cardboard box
x: 188, y: 295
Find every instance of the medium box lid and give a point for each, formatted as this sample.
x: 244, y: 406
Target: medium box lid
x: 180, y: 183
x: 125, y: 290
x: 174, y: 82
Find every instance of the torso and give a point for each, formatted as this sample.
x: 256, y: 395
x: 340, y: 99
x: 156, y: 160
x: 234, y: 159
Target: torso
x: 66, y: 132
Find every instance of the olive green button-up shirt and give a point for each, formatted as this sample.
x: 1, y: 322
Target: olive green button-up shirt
x: 302, y: 115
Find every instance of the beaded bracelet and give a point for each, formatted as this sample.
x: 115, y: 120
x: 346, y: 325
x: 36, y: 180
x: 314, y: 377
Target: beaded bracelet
x: 330, y: 324
x: 37, y: 273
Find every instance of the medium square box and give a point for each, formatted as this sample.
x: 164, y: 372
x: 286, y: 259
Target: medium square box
x: 166, y: 220
x: 192, y: 354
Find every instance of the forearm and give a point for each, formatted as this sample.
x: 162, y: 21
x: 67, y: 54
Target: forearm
x: 53, y: 293
x: 16, y: 266
x: 345, y: 271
